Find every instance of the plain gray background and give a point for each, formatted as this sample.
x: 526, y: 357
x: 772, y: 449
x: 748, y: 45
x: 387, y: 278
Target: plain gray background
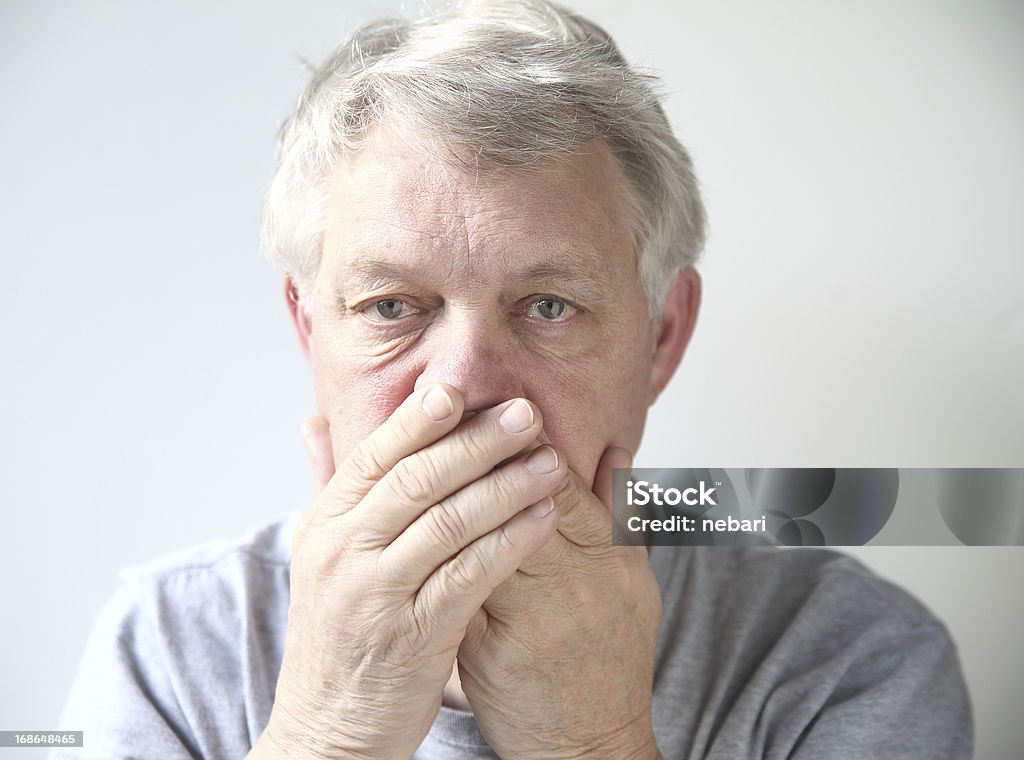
x: 862, y: 164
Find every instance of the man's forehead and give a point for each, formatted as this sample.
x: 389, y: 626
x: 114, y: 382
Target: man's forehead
x: 395, y: 205
x: 501, y: 249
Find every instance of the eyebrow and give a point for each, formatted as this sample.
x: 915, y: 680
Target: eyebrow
x: 369, y: 274
x: 373, y: 271
x: 579, y: 281
x: 366, y: 272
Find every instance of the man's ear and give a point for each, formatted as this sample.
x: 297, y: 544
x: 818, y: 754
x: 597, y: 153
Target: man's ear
x: 678, y: 318
x: 300, y: 318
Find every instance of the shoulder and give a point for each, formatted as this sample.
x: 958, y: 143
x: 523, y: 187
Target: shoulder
x: 267, y: 545
x: 201, y: 593
x: 813, y: 644
x: 235, y: 567
x: 183, y: 657
x: 206, y: 594
x: 781, y: 583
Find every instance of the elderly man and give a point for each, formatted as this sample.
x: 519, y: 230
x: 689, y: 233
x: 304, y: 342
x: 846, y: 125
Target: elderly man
x: 487, y: 230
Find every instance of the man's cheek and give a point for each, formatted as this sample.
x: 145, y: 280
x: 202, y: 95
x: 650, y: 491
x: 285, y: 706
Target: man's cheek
x: 388, y: 387
x: 371, y: 396
x: 364, y: 380
x: 573, y: 426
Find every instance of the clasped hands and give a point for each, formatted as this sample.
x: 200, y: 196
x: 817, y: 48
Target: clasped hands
x: 440, y: 540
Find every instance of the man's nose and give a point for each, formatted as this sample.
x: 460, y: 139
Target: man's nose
x: 477, y: 358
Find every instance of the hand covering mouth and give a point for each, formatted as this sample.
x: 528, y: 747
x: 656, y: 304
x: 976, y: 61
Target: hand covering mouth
x: 472, y: 413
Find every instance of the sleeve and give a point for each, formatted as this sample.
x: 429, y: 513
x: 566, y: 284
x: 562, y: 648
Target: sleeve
x: 121, y: 698
x: 902, y: 700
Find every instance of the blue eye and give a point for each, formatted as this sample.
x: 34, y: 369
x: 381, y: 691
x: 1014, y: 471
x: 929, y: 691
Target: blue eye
x: 550, y: 310
x: 389, y: 308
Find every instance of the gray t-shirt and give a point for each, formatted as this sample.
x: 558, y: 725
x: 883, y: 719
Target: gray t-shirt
x: 763, y: 653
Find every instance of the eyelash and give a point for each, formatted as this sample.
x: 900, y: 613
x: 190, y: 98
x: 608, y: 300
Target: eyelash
x: 369, y: 310
x: 568, y: 311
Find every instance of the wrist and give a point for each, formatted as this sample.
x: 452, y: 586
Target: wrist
x: 282, y: 742
x: 635, y: 742
x: 632, y: 744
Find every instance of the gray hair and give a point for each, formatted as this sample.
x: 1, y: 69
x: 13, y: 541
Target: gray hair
x: 512, y: 83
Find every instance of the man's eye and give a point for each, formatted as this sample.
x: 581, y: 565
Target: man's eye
x: 550, y: 310
x: 389, y: 309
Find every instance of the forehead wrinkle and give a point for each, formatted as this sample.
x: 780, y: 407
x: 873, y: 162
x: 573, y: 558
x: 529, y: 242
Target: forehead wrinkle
x: 429, y: 234
x: 545, y: 222
x: 487, y: 228
x: 465, y: 206
x: 417, y: 230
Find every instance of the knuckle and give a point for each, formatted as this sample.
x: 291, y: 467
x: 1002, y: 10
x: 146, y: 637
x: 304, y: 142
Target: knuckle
x: 445, y: 524
x: 506, y: 543
x: 412, y: 479
x: 367, y: 462
x: 504, y: 486
x: 459, y: 570
x: 476, y: 443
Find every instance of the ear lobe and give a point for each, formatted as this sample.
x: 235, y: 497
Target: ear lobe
x: 675, y: 327
x: 299, y: 315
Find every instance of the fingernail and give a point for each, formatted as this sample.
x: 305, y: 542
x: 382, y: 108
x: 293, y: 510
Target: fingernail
x: 438, y: 404
x: 517, y: 418
x: 542, y: 508
x: 542, y: 461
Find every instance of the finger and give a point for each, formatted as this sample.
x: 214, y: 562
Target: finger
x: 426, y: 477
x: 316, y: 435
x: 425, y: 416
x: 614, y: 457
x: 586, y: 512
x: 458, y: 588
x: 444, y: 529
x: 584, y: 521
x: 476, y: 634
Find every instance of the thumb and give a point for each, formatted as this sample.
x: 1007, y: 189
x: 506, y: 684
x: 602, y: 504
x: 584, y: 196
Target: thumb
x: 579, y: 503
x: 614, y: 457
x: 476, y: 634
x: 316, y: 435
